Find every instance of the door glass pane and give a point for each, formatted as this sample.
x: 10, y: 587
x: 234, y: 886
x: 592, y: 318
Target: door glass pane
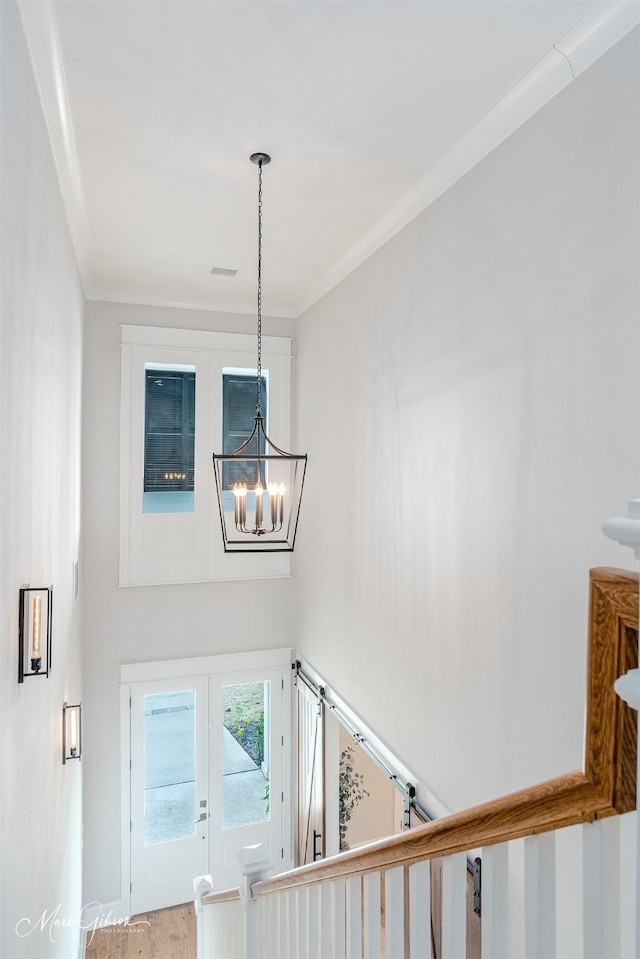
x: 245, y: 754
x: 169, y: 766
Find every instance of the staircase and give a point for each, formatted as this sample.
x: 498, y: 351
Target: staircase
x: 560, y: 860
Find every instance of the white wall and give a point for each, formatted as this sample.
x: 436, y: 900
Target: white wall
x: 141, y: 624
x: 478, y: 422
x: 40, y: 364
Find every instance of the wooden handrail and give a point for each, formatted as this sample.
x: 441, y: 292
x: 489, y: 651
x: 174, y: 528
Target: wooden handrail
x: 225, y: 895
x: 604, y: 788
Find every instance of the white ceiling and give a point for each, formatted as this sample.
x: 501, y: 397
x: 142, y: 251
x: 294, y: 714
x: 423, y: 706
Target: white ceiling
x: 368, y: 109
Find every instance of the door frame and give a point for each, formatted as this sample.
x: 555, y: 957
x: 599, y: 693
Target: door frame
x: 177, y: 669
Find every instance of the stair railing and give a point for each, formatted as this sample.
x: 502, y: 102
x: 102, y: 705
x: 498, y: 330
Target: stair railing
x: 558, y: 878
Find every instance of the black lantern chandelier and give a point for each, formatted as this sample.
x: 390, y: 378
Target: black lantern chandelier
x: 259, y: 486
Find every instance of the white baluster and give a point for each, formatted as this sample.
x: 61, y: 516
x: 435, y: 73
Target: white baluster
x: 569, y: 898
x: 592, y: 890
x: 326, y: 920
x: 280, y: 902
x: 628, y: 882
x: 420, y: 910
x: 454, y: 906
x: 339, y: 919
x: 292, y: 924
x: 394, y: 911
x: 264, y: 923
x: 372, y: 937
x: 303, y: 923
x: 540, y: 896
x: 495, y: 900
x: 588, y: 892
x: 516, y: 902
x: 354, y: 917
x: 314, y: 922
x: 610, y: 882
x: 283, y: 924
x: 271, y: 944
x: 628, y: 688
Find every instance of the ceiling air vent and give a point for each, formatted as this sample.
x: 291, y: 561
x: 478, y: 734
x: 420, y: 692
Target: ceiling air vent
x: 222, y: 271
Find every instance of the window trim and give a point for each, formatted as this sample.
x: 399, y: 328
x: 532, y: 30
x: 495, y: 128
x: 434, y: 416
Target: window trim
x: 166, y: 548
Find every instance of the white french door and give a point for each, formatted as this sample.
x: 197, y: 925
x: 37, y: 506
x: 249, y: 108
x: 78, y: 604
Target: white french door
x: 169, y: 791
x: 205, y: 771
x: 247, y: 788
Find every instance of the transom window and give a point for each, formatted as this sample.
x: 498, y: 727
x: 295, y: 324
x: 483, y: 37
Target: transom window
x: 239, y: 396
x: 186, y: 394
x: 169, y: 440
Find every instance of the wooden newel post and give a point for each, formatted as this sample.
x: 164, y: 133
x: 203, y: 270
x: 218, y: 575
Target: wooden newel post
x: 255, y: 864
x: 628, y: 688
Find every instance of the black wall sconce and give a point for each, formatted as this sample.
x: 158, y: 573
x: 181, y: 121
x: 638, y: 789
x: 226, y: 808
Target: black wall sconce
x: 34, y: 631
x: 71, y: 732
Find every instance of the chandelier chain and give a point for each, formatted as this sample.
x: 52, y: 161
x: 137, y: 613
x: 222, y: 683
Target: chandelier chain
x: 259, y: 376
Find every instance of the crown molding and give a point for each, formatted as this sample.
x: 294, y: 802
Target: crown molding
x: 43, y: 42
x: 600, y: 29
x: 179, y: 299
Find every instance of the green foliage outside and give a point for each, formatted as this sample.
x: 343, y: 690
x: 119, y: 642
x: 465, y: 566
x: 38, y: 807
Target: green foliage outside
x: 351, y: 792
x: 243, y: 706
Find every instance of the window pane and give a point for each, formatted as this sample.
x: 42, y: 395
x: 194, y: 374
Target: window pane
x: 238, y: 416
x: 245, y: 754
x: 169, y: 766
x: 169, y: 439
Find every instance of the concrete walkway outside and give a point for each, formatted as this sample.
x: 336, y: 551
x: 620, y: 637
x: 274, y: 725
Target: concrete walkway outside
x: 170, y: 798
x: 243, y: 786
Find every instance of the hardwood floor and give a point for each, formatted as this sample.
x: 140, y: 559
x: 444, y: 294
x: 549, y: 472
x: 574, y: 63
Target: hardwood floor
x: 165, y: 934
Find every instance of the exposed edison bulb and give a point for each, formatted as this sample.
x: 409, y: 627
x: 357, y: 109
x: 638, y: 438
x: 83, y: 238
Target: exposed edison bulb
x: 37, y: 620
x: 73, y: 744
x: 239, y: 503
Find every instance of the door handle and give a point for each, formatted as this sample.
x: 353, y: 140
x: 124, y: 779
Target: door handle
x: 317, y: 853
x: 203, y: 816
